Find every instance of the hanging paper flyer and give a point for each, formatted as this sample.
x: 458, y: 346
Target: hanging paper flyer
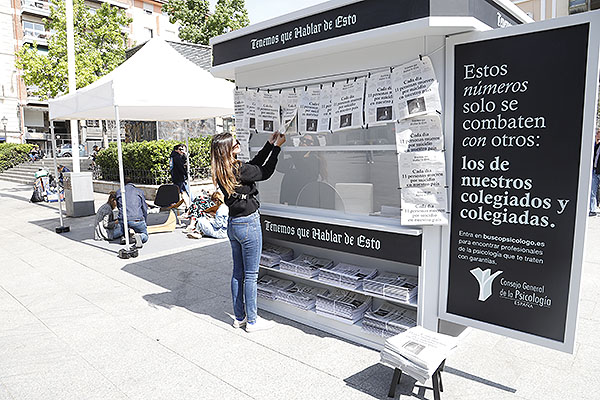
x: 347, y: 99
x: 239, y: 98
x: 244, y: 138
x: 379, y: 103
x: 250, y: 110
x: 416, y: 91
x: 308, y: 109
x: 324, y: 121
x: 422, y: 169
x: 267, y: 117
x: 423, y: 206
x: 289, y: 110
x: 419, y: 134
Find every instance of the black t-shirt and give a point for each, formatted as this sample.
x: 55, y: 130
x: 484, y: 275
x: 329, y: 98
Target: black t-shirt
x: 248, y: 174
x: 179, y: 170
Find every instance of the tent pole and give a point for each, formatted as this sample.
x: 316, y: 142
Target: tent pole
x: 186, y: 126
x: 56, y: 173
x: 122, y: 176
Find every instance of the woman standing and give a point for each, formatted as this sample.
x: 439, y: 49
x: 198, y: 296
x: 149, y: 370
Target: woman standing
x: 237, y: 181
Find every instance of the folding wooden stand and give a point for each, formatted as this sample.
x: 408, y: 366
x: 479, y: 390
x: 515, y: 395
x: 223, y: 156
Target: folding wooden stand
x: 436, y: 379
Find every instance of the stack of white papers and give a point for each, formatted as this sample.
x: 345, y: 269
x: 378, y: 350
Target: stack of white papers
x: 418, y: 352
x: 396, y: 286
x: 301, y: 296
x: 305, y: 265
x: 267, y: 286
x: 389, y: 320
x: 344, y: 305
x: 346, y: 275
x: 272, y: 254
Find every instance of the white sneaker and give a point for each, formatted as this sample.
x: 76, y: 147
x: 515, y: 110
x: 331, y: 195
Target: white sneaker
x: 239, y: 324
x: 260, y: 325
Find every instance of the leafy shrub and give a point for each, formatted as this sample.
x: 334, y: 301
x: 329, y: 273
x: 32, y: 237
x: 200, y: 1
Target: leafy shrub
x: 152, y: 158
x: 12, y: 154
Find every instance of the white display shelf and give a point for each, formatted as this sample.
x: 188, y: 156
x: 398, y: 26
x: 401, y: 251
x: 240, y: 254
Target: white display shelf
x: 313, y: 280
x: 352, y: 332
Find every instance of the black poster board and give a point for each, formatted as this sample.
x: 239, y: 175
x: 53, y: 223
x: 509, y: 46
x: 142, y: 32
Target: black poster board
x: 518, y: 115
x: 366, y: 242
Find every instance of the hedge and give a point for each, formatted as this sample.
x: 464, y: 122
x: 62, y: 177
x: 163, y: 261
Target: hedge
x: 12, y: 154
x: 152, y: 157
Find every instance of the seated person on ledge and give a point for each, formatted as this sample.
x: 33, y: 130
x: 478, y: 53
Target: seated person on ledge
x: 106, y: 219
x: 213, y: 221
x: 137, y: 213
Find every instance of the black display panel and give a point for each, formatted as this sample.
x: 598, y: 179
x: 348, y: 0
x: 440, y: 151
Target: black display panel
x: 365, y: 242
x: 518, y: 115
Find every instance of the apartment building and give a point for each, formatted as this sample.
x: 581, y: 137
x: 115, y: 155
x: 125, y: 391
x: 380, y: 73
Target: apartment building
x: 21, y: 22
x: 541, y: 10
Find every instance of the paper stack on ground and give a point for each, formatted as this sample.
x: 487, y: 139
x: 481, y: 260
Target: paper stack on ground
x: 272, y: 254
x: 306, y: 265
x: 418, y: 352
x: 389, y: 320
x: 267, y: 286
x: 346, y: 306
x: 346, y: 275
x: 301, y: 296
x: 401, y: 287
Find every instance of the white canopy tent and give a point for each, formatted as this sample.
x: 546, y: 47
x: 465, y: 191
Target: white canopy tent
x: 156, y: 84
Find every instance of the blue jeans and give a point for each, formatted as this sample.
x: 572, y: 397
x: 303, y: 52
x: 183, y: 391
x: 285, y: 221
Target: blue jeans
x: 245, y: 236
x: 594, y: 193
x: 137, y: 226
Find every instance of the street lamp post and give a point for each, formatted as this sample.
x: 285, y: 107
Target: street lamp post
x: 4, y: 121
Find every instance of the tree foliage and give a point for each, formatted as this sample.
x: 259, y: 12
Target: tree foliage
x: 198, y: 25
x: 100, y: 47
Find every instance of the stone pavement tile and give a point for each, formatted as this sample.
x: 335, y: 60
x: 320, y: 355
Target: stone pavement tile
x: 349, y: 358
x: 144, y: 369
x: 587, y: 310
x: 70, y: 379
x: 30, y: 353
x: 477, y: 337
x: 549, y: 383
x: 542, y: 356
x: 4, y: 394
x: 587, y: 332
x: 586, y: 360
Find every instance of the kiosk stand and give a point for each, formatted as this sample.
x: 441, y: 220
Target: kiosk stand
x: 345, y: 182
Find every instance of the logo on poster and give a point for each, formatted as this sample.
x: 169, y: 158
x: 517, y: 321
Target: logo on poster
x: 485, y: 280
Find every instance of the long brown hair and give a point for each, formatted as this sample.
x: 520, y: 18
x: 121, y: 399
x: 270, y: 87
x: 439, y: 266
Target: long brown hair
x: 223, y: 164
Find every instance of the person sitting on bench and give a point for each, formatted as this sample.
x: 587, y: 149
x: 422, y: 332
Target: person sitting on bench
x: 137, y: 213
x: 106, y: 220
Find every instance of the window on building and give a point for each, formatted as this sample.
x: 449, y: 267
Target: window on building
x: 34, y: 29
x: 148, y: 8
x: 148, y: 33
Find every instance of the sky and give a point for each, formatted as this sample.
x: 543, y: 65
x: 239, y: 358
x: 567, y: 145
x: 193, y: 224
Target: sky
x: 261, y: 10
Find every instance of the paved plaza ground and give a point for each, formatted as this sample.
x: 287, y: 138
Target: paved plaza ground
x: 78, y: 323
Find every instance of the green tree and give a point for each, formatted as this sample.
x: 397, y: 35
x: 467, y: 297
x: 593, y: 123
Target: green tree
x: 100, y: 47
x: 198, y: 25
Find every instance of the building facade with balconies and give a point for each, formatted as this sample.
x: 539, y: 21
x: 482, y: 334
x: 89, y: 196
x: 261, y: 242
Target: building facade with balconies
x: 541, y: 10
x: 21, y: 22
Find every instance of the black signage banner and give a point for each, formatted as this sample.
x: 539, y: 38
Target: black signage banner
x: 365, y: 242
x: 352, y: 18
x: 356, y: 17
x: 518, y: 115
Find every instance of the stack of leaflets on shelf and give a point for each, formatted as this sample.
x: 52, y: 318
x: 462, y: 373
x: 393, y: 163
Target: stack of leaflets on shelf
x: 301, y: 296
x: 346, y: 306
x: 272, y: 254
x: 389, y: 320
x: 267, y: 286
x: 418, y: 352
x: 396, y: 286
x: 346, y: 275
x: 306, y: 266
